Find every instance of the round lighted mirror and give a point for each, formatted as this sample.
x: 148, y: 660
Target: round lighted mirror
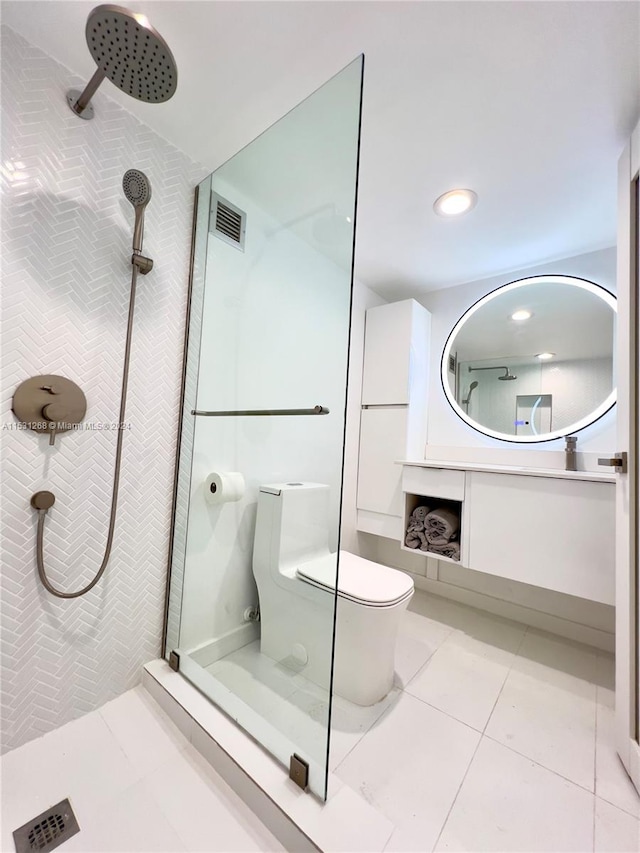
x: 533, y: 360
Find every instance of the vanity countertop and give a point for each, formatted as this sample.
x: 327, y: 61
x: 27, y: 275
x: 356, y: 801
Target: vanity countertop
x: 556, y: 473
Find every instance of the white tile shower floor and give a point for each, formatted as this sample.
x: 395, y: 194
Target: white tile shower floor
x: 496, y: 737
x: 135, y: 783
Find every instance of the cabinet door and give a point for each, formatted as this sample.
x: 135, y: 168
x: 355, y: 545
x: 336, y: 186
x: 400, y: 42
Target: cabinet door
x: 387, y: 354
x: 553, y: 533
x: 383, y: 436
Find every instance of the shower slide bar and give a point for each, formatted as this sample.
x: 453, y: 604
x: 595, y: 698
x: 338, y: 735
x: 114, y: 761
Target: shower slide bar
x: 317, y: 410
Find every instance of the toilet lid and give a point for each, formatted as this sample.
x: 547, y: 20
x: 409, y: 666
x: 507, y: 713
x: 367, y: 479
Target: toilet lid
x: 359, y: 579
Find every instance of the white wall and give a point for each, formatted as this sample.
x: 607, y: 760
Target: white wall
x: 445, y: 428
x: 66, y: 273
x: 274, y: 335
x: 577, y: 387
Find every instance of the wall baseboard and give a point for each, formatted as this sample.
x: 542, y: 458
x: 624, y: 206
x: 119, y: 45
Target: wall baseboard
x: 576, y: 631
x: 210, y: 652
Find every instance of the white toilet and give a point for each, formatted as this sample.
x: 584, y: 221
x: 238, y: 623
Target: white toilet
x: 295, y: 573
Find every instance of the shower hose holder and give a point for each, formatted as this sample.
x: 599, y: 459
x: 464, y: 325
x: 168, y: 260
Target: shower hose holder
x: 144, y: 265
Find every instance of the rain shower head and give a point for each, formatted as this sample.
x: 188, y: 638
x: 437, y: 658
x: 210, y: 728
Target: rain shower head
x: 131, y: 53
x: 507, y: 376
x: 137, y: 190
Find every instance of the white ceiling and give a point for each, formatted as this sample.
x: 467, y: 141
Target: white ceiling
x: 527, y: 103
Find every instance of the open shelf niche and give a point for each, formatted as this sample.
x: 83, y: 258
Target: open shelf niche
x: 411, y: 502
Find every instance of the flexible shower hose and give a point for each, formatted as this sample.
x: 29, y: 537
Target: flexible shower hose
x: 116, y: 473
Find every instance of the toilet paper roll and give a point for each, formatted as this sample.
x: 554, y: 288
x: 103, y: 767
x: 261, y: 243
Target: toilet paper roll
x: 220, y: 488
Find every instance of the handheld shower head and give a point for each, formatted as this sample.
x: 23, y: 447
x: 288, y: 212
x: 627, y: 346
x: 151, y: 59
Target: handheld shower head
x: 473, y: 385
x: 131, y: 53
x: 137, y: 189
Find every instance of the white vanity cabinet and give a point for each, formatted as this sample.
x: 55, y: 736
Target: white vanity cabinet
x: 551, y: 529
x: 555, y: 533
x: 394, y: 410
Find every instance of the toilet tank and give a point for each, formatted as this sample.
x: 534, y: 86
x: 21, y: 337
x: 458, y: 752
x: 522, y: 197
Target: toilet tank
x: 292, y: 526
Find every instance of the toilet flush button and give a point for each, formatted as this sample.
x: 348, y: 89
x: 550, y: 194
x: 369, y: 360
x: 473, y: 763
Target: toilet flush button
x: 299, y: 654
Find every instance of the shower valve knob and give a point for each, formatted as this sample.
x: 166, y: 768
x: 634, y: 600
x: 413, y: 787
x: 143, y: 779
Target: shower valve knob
x: 55, y: 412
x: 49, y: 404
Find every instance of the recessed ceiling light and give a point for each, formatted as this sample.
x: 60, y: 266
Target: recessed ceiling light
x: 545, y: 356
x: 455, y: 202
x: 523, y: 314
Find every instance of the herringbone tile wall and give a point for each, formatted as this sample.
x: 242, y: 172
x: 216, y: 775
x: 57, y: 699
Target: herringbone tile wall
x: 65, y: 256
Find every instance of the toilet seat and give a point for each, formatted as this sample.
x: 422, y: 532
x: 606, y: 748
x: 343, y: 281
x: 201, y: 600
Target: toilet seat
x: 360, y: 580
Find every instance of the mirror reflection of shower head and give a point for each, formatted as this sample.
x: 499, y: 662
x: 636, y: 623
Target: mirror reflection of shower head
x: 137, y: 190
x: 507, y: 374
x: 131, y: 53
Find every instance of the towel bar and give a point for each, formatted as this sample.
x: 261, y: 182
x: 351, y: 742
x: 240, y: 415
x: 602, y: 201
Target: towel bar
x: 317, y: 410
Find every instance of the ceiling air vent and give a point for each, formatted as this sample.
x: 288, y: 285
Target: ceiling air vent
x: 227, y: 221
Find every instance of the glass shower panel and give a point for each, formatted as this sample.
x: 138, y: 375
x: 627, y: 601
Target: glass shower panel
x: 269, y: 345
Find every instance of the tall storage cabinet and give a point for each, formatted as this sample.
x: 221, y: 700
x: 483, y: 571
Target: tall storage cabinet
x: 393, y: 421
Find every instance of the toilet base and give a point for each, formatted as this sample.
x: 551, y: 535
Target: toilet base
x: 364, y: 665
x: 365, y: 641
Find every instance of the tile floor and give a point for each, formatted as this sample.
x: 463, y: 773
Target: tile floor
x: 135, y: 783
x: 505, y: 734
x: 496, y: 737
x: 500, y: 739
x: 295, y: 706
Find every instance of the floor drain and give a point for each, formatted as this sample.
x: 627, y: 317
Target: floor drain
x: 46, y: 831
